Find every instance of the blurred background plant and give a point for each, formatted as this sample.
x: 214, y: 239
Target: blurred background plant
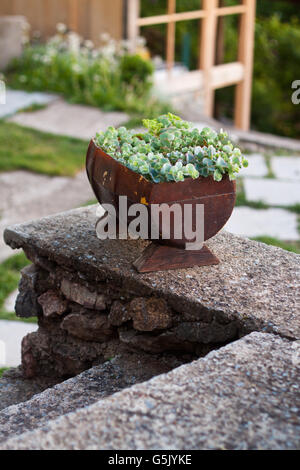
x: 109, y: 77
x: 276, y: 59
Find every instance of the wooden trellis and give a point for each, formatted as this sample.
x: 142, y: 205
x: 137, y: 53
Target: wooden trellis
x: 209, y: 77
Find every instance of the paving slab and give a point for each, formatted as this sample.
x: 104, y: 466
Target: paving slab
x: 278, y: 223
x: 286, y: 167
x: 72, y: 120
x: 242, y: 396
x: 272, y: 191
x: 9, y: 304
x: 257, y: 166
x: 11, y: 335
x: 25, y: 196
x: 253, y: 287
x: 17, y: 100
x: 121, y: 372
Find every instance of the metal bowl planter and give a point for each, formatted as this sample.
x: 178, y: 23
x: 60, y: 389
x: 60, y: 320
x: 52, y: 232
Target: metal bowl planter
x: 110, y: 179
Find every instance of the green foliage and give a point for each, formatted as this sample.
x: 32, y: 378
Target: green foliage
x: 293, y: 247
x: 276, y: 66
x: 171, y: 150
x: 9, y: 279
x: 2, y: 369
x: 134, y: 69
x: 108, y: 77
x: 22, y: 148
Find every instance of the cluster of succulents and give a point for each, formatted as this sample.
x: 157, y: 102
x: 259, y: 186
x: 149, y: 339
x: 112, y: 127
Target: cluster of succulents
x: 172, y: 150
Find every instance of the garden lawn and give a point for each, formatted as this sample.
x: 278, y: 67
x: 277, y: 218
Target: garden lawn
x: 27, y: 149
x: 3, y: 369
x: 9, y: 279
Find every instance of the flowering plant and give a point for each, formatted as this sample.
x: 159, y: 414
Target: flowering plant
x: 108, y: 76
x: 172, y: 150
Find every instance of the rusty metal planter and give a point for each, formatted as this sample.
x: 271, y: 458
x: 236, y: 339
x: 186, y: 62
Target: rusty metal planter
x: 110, y: 179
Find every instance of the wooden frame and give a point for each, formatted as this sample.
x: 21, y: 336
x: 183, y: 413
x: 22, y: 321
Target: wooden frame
x: 209, y: 77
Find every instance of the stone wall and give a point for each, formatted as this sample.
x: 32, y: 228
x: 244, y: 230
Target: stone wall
x: 91, y: 304
x: 82, y: 324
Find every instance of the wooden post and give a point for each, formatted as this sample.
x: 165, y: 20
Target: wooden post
x: 246, y: 48
x: 207, y: 52
x: 73, y: 15
x: 170, y: 56
x: 133, y: 14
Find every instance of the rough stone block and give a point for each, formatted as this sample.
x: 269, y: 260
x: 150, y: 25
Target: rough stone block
x: 118, y: 314
x: 88, y: 326
x: 52, y: 304
x: 150, y: 314
x: 82, y: 295
x: 244, y: 396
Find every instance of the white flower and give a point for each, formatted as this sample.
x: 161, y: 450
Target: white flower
x: 74, y: 42
x: 76, y: 68
x: 105, y: 37
x: 88, y: 44
x: 61, y: 28
x: 141, y: 42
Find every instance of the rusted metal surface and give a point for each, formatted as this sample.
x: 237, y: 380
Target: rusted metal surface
x: 160, y: 258
x: 110, y: 179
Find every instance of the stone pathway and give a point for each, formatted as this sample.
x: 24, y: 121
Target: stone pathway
x: 257, y: 166
x: 17, y: 100
x: 11, y: 335
x: 9, y: 304
x: 73, y: 120
x: 276, y: 223
x: 37, y: 196
x: 272, y: 191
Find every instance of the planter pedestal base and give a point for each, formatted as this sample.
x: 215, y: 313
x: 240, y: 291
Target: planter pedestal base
x: 161, y: 258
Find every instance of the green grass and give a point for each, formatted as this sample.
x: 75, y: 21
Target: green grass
x: 293, y: 247
x: 32, y: 108
x: 27, y: 149
x: 90, y: 203
x: 9, y: 279
x: 3, y: 369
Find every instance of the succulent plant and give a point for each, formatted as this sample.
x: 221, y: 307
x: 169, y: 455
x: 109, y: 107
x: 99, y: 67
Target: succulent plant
x: 172, y: 150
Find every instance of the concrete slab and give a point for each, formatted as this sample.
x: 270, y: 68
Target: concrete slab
x: 17, y: 100
x: 87, y: 388
x: 242, y: 396
x: 37, y: 196
x: 286, y: 167
x: 11, y: 335
x: 278, y: 223
x: 272, y: 191
x: 9, y: 304
x: 257, y: 166
x: 73, y: 120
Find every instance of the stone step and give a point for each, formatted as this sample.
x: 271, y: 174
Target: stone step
x: 242, y: 396
x: 73, y: 394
